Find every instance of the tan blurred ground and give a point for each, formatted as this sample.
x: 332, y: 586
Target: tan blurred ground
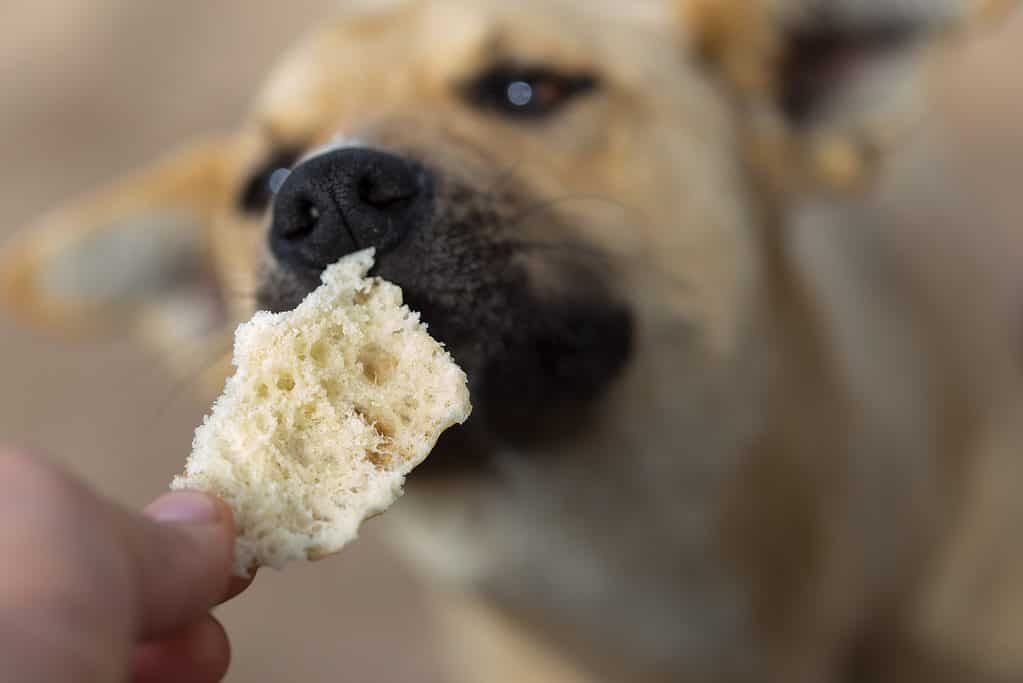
x: 92, y: 88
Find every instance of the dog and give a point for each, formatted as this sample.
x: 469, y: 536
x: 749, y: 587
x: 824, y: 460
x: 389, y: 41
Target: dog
x: 696, y: 453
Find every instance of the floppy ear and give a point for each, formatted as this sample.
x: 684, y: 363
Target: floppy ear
x: 133, y: 257
x: 826, y: 85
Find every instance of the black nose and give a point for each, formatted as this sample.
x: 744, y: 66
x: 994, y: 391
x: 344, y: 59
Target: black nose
x: 347, y: 200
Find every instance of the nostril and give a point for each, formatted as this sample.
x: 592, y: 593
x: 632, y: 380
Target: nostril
x: 305, y: 215
x: 386, y: 193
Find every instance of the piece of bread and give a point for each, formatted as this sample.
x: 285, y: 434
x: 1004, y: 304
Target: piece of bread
x: 330, y: 407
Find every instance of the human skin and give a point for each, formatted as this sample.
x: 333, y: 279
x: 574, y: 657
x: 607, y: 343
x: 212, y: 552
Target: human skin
x: 93, y: 593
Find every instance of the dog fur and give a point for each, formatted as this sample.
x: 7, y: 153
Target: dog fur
x: 756, y: 471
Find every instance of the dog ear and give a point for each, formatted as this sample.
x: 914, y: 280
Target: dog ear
x: 826, y: 85
x: 134, y: 255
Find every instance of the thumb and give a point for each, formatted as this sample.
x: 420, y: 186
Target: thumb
x: 182, y: 554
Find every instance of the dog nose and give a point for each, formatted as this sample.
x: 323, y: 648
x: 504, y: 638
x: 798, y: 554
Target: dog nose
x: 344, y: 201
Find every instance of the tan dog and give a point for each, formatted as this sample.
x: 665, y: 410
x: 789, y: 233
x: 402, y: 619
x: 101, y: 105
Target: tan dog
x: 698, y: 452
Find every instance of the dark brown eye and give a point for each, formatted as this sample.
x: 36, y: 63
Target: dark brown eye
x: 259, y: 189
x: 527, y: 92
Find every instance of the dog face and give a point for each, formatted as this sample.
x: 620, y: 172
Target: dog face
x: 580, y: 200
x: 541, y: 233
x: 530, y: 232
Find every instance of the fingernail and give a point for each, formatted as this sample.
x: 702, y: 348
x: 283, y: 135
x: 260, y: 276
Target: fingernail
x: 184, y: 507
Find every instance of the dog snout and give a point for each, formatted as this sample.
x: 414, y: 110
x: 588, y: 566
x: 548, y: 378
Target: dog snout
x: 347, y: 200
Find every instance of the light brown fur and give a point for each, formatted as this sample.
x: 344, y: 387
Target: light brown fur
x: 747, y: 502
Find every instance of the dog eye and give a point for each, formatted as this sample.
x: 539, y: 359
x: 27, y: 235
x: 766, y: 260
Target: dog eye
x: 264, y: 182
x: 527, y: 92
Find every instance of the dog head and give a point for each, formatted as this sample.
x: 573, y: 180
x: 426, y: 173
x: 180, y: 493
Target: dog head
x: 577, y: 197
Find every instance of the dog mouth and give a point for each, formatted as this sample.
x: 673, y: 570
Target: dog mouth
x: 538, y: 358
x: 535, y: 377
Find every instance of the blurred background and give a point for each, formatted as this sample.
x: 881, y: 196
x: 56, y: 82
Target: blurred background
x: 94, y: 88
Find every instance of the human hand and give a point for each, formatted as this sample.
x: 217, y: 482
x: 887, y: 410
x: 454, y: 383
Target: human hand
x: 93, y: 593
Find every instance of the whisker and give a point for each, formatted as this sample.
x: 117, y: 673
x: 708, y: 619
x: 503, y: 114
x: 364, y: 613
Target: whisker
x: 641, y: 255
x: 545, y: 205
x: 505, y: 176
x: 562, y: 247
x: 247, y: 296
x: 192, y: 377
x: 239, y: 294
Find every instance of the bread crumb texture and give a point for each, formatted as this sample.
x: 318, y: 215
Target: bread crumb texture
x: 330, y: 407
